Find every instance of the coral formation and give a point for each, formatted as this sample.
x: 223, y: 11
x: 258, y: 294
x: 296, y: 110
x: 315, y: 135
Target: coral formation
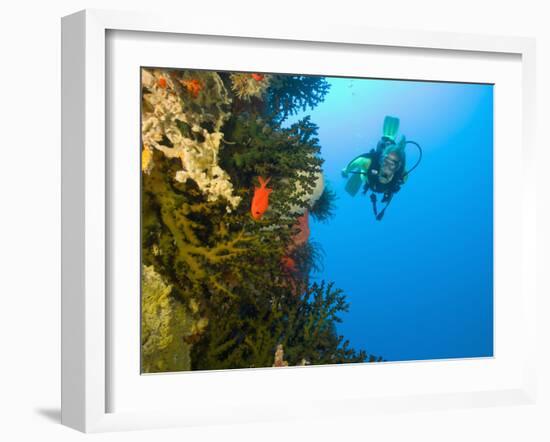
x: 323, y: 207
x: 221, y: 288
x: 290, y: 156
x: 290, y: 94
x: 246, y: 86
x: 166, y: 324
x: 182, y: 124
x: 279, y: 357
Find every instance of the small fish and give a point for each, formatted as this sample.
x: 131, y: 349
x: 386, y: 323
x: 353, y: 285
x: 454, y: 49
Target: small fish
x: 162, y: 82
x: 193, y: 87
x: 260, y: 201
x: 257, y: 77
x: 289, y: 265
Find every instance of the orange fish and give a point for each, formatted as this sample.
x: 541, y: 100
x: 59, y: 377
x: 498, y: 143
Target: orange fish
x: 257, y: 77
x: 162, y: 82
x: 288, y: 264
x: 260, y: 201
x: 292, y: 279
x: 193, y: 87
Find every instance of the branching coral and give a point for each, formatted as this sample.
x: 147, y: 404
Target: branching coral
x: 289, y: 94
x: 245, y: 86
x: 311, y: 332
x: 249, y: 334
x: 289, y: 156
x: 191, y: 256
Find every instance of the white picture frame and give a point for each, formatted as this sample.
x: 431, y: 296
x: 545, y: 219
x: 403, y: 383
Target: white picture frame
x: 86, y: 315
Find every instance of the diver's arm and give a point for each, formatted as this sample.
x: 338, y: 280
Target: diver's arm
x: 360, y: 165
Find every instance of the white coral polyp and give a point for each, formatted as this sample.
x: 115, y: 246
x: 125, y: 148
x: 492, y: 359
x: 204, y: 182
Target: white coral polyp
x: 199, y: 160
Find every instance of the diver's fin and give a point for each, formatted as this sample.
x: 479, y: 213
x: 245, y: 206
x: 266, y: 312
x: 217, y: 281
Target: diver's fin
x: 358, y: 168
x: 354, y: 184
x: 391, y: 126
x: 359, y: 164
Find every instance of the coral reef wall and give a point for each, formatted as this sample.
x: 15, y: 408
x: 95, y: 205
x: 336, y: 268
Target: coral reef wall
x: 220, y: 288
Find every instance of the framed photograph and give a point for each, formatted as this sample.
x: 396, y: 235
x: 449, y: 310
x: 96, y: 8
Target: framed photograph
x: 274, y: 223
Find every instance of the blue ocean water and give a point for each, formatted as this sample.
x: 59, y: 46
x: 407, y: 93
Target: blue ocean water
x: 419, y: 282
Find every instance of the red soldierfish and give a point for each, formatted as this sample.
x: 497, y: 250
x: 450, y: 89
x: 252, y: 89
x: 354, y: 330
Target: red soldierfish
x: 260, y: 201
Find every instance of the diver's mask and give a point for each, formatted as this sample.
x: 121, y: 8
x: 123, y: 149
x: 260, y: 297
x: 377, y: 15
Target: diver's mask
x: 389, y: 165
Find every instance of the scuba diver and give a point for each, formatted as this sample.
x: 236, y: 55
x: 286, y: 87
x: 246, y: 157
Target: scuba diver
x: 382, y: 170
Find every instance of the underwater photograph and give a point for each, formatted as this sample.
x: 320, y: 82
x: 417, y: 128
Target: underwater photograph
x: 298, y: 220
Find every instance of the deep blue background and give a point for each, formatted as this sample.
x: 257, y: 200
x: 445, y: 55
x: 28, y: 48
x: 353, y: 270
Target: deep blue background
x: 420, y: 282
